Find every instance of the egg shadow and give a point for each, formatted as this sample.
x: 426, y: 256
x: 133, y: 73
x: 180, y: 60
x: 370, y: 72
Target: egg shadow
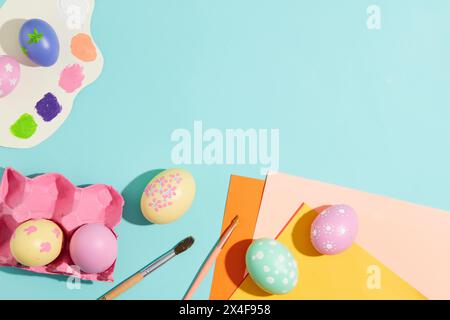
x: 9, y: 41
x: 133, y: 194
x: 236, y: 257
x: 301, y: 235
x: 21, y: 272
x: 252, y: 289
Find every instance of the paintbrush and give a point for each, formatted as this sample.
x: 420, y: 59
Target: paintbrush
x: 152, y: 266
x: 211, y: 258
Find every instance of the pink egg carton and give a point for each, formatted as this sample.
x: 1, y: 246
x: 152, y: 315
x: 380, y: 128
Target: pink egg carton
x: 53, y: 197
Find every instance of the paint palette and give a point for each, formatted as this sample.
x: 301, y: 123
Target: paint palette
x: 44, y: 96
x: 52, y: 197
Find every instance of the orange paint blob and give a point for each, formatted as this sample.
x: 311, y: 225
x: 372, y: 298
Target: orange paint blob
x: 83, y: 48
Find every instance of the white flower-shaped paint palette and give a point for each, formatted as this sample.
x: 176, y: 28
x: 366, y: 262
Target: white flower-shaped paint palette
x: 43, y: 97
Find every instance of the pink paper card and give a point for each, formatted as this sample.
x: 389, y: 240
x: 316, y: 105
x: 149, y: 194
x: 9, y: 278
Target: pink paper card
x: 411, y: 240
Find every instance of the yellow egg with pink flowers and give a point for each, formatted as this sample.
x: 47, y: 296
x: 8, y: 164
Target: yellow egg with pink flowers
x: 168, y: 196
x: 36, y: 243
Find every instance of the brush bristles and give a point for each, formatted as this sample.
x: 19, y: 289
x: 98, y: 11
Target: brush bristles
x: 184, y: 245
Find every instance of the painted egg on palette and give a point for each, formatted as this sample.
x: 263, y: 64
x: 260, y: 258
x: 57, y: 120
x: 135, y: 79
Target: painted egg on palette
x: 9, y: 75
x: 51, y: 40
x: 39, y: 42
x: 168, y: 196
x: 272, y: 266
x: 334, y: 230
x: 36, y: 243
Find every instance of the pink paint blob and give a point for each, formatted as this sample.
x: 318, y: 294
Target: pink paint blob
x: 57, y: 233
x: 93, y: 248
x: 334, y: 230
x: 71, y: 78
x: 30, y: 230
x: 9, y: 75
x: 46, y: 247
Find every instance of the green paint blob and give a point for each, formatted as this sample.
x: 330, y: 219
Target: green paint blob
x: 24, y: 127
x: 25, y: 51
x: 35, y: 37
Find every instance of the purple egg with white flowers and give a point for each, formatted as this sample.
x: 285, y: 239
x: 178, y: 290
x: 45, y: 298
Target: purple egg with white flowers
x: 39, y: 42
x: 334, y: 230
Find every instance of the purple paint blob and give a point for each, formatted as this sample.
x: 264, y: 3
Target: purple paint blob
x: 48, y: 107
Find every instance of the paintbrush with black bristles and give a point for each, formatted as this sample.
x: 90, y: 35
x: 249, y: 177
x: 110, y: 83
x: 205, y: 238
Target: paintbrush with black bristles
x: 152, y: 266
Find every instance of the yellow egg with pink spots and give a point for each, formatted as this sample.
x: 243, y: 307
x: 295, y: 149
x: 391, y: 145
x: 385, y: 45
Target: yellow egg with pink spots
x: 36, y: 243
x: 168, y: 196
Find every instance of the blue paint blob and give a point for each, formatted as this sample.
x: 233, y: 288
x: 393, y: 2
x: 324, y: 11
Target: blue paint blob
x: 48, y: 107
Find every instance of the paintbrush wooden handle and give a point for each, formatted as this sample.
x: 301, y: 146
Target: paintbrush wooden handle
x: 123, y: 287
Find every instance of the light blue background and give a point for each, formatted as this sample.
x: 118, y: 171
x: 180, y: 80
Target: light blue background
x: 365, y: 109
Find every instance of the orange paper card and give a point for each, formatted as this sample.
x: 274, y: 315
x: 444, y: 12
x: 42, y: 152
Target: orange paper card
x: 244, y: 198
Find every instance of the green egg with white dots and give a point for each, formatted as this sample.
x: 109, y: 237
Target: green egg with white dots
x: 272, y: 266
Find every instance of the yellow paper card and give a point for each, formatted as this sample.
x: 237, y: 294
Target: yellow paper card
x: 352, y: 275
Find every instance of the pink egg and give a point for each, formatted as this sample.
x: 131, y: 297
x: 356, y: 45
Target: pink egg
x: 334, y: 230
x: 9, y: 75
x: 93, y: 248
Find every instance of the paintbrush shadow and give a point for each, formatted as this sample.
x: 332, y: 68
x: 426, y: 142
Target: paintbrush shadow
x: 20, y: 272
